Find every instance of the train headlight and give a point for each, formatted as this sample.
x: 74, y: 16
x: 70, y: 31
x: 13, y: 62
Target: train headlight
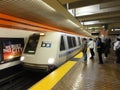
x: 51, y: 60
x: 22, y: 58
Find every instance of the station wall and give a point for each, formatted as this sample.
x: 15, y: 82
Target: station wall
x: 13, y: 33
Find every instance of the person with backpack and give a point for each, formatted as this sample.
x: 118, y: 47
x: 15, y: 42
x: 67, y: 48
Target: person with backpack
x: 117, y: 49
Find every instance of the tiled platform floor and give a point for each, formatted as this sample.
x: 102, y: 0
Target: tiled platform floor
x: 92, y: 76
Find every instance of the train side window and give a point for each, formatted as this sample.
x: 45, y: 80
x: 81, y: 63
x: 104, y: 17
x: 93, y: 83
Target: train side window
x: 32, y: 44
x: 74, y: 41
x: 69, y: 42
x: 62, y: 44
x: 79, y: 41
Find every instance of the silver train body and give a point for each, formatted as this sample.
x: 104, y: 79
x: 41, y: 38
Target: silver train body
x: 50, y: 50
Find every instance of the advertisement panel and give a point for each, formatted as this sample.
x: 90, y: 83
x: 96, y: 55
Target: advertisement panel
x: 11, y: 49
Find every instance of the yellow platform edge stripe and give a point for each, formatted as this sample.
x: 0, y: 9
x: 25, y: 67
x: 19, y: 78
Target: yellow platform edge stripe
x: 79, y: 55
x: 49, y: 81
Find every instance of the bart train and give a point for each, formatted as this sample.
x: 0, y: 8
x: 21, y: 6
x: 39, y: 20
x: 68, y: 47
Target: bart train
x: 50, y: 50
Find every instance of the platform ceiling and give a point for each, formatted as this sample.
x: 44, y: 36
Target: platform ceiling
x: 88, y: 15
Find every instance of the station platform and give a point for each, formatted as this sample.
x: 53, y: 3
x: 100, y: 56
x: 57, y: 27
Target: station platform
x: 77, y: 75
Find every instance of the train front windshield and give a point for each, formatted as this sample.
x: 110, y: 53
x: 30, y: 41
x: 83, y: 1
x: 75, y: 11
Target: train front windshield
x: 32, y: 44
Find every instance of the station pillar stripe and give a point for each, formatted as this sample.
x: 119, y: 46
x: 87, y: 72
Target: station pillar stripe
x: 50, y: 81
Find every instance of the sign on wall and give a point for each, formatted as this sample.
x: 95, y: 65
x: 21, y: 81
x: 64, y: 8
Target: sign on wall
x: 10, y: 49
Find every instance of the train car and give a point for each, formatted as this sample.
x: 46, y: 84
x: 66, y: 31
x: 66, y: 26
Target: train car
x: 50, y: 50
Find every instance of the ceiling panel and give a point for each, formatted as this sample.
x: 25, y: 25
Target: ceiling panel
x: 33, y: 10
x: 83, y: 3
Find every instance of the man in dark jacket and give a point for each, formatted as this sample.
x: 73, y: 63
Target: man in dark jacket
x: 99, y: 46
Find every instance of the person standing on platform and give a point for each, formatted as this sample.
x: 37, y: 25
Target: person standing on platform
x: 91, y: 46
x: 84, y: 49
x: 99, y: 47
x: 107, y: 47
x: 117, y: 49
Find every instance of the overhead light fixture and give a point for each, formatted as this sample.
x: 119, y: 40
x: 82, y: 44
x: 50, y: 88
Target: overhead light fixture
x: 112, y: 29
x: 116, y: 29
x: 42, y: 34
x: 93, y: 27
x: 89, y: 22
x: 72, y: 23
x: 48, y: 6
x: 87, y: 10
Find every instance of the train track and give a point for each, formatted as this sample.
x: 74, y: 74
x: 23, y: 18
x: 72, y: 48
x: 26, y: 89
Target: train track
x: 21, y: 80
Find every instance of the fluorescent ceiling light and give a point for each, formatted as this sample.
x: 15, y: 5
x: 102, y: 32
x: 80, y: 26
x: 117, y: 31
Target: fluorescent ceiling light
x: 42, y: 34
x: 93, y: 27
x: 85, y: 13
x: 89, y: 22
x: 72, y: 23
x: 116, y: 29
x: 48, y: 6
x: 87, y: 10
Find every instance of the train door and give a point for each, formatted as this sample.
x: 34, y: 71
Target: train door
x: 70, y: 46
x: 62, y: 54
